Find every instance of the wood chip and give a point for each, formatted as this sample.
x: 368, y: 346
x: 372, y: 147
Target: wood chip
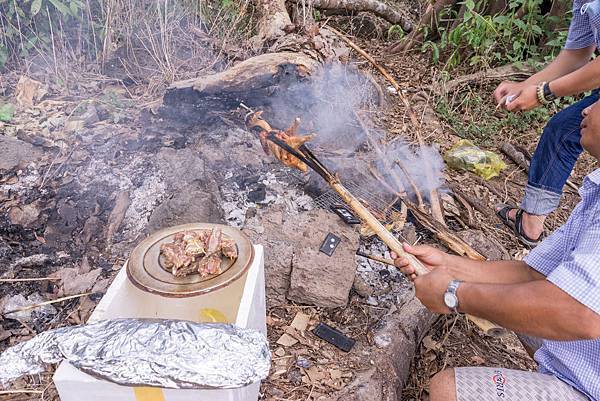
x: 279, y: 351
x: 286, y: 340
x: 300, y: 321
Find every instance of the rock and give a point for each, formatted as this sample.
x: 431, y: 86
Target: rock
x: 16, y: 153
x: 318, y: 279
x: 484, y: 244
x: 195, y: 204
x: 24, y: 215
x: 294, y: 239
x: 361, y: 287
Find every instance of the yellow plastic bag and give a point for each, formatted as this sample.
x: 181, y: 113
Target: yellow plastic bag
x: 466, y: 156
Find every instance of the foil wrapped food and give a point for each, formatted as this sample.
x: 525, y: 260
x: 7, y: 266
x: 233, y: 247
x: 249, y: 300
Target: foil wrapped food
x: 159, y: 353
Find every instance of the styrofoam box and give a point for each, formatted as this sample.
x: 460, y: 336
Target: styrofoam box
x: 242, y: 303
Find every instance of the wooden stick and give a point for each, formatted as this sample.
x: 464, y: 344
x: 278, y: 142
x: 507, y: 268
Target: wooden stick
x: 376, y: 258
x: 29, y: 307
x: 434, y: 200
x: 19, y: 280
x: 412, y: 183
x: 392, y: 242
x: 24, y: 391
x: 387, y: 237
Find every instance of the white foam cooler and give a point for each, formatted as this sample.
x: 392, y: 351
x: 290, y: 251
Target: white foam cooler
x: 241, y: 302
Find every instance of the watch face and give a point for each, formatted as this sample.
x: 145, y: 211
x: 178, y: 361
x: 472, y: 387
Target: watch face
x: 450, y: 300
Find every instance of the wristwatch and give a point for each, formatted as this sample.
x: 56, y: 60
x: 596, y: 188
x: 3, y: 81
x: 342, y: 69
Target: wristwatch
x: 548, y: 94
x: 450, y: 298
x: 544, y: 93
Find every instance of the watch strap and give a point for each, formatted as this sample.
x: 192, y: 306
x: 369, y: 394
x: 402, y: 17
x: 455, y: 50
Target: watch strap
x: 548, y: 94
x: 452, y: 289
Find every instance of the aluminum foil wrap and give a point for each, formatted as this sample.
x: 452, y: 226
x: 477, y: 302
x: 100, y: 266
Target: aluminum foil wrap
x: 160, y: 353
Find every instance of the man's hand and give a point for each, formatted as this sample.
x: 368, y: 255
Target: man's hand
x: 527, y: 100
x: 432, y: 258
x: 431, y: 287
x: 508, y: 88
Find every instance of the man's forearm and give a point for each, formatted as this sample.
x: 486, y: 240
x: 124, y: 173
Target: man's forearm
x: 494, y: 272
x: 536, y: 308
x: 582, y: 80
x: 565, y: 63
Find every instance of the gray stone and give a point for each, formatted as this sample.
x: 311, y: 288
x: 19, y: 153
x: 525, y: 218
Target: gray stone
x: 292, y: 242
x: 16, y: 153
x: 195, y: 204
x: 318, y: 279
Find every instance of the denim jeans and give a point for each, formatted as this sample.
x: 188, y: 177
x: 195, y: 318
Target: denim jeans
x: 554, y: 158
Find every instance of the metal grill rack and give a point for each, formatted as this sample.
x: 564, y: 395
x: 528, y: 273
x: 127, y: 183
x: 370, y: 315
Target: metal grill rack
x: 383, y: 209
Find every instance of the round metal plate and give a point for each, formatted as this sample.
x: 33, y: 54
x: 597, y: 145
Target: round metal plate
x: 146, y: 270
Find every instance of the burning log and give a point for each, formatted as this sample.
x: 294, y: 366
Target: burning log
x: 304, y: 155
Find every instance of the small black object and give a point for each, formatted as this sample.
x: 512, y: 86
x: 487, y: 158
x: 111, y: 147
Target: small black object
x: 331, y: 242
x: 333, y: 336
x: 259, y: 194
x: 345, y: 214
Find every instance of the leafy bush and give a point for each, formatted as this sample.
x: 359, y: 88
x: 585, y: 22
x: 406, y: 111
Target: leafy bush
x: 521, y: 33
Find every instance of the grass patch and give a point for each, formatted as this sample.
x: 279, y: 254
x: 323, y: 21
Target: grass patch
x: 475, y: 118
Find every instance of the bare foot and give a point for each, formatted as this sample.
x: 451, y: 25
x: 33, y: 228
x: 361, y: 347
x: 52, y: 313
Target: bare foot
x: 533, y: 226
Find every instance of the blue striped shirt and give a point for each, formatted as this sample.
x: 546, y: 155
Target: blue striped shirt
x: 583, y: 31
x: 570, y: 259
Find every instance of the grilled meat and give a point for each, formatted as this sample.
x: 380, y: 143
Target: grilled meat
x: 198, y: 251
x: 290, y: 136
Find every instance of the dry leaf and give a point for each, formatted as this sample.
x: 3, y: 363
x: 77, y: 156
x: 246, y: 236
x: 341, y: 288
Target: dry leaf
x: 28, y: 91
x: 300, y: 321
x: 335, y: 374
x: 477, y: 360
x: 286, y: 340
x: 431, y: 344
x: 315, y: 374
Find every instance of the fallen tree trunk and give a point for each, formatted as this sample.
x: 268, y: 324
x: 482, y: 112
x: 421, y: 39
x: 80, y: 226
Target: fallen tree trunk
x: 374, y: 6
x: 274, y: 21
x: 252, y: 81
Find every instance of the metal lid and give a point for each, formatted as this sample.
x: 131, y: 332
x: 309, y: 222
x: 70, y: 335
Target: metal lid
x: 146, y: 270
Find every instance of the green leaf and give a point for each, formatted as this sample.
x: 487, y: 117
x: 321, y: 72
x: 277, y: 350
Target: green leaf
x: 6, y: 112
x: 36, y: 5
x: 64, y: 10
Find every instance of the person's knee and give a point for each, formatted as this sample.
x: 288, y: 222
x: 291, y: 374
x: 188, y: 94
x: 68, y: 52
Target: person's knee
x: 442, y: 386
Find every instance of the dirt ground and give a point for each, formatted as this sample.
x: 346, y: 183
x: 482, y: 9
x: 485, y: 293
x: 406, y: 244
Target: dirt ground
x: 318, y: 369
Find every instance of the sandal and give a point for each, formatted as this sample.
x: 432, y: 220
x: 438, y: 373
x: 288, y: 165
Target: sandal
x: 517, y: 225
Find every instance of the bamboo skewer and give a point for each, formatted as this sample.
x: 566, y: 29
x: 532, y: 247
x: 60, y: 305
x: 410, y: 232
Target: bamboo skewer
x: 29, y: 307
x: 379, y: 229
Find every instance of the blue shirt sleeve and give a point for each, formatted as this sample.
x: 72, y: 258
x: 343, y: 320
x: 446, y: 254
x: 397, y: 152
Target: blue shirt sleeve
x: 580, y: 33
x: 548, y: 255
x: 579, y: 275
